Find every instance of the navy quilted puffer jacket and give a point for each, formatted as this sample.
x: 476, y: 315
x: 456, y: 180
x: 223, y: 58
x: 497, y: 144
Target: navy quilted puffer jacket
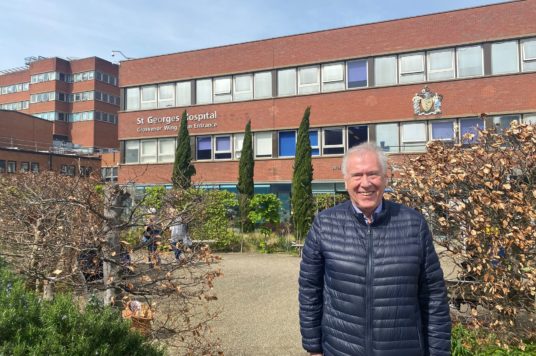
x: 372, y: 290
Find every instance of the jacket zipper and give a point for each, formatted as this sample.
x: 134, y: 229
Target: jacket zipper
x: 368, y: 290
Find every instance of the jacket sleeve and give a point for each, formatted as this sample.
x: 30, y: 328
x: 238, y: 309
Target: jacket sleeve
x: 433, y: 301
x: 311, y: 283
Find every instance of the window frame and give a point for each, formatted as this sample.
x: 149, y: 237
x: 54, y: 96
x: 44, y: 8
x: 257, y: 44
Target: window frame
x: 309, y: 88
x: 279, y: 152
x: 409, y: 73
x: 256, y: 145
x: 151, y: 103
x: 326, y: 146
x: 224, y: 152
x: 211, y: 150
x: 458, y: 67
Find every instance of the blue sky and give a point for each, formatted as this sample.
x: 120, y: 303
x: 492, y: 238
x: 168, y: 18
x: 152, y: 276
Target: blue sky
x: 142, y: 28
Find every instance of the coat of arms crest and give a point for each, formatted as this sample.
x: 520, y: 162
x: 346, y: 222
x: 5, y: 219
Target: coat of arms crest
x: 427, y: 102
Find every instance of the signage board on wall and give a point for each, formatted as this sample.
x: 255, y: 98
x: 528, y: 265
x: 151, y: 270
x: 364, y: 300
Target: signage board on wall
x: 205, y: 120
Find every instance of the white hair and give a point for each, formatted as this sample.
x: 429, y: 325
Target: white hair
x: 365, y: 147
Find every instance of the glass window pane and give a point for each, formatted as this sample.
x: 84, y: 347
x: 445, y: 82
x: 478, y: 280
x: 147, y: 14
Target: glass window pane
x: 385, y: 70
x: 441, y: 64
x: 357, y: 135
x: 222, y: 85
x: 263, y: 144
x: 243, y: 87
x: 529, y: 54
x: 413, y: 136
x: 442, y: 130
x: 166, y: 149
x: 148, y: 151
x: 504, y: 57
x: 204, y: 147
x: 332, y: 77
x: 287, y: 143
x: 204, y: 91
x: 333, y: 141
x: 286, y: 82
x: 148, y: 97
x: 313, y: 139
x: 357, y: 74
x: 166, y: 95
x: 503, y: 122
x: 469, y: 61
x: 263, y: 85
x: 529, y: 119
x: 184, y: 94
x: 387, y: 137
x: 223, y: 147
x: 309, y: 80
x: 133, y: 98
x: 132, y: 151
x: 238, y: 142
x: 222, y: 90
x: 470, y: 126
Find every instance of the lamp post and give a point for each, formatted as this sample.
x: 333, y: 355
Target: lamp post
x: 114, y: 52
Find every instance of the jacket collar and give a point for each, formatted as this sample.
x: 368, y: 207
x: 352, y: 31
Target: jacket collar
x: 379, y: 218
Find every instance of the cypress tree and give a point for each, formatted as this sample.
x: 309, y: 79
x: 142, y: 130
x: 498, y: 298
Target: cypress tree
x: 302, y: 191
x: 245, y: 179
x: 183, y: 169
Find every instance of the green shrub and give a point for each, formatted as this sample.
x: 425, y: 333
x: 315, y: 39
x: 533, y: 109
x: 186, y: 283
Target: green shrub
x: 467, y: 342
x: 213, y: 220
x: 30, y: 326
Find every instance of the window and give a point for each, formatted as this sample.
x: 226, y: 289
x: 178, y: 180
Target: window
x: 411, y: 67
x: 148, y: 151
x: 222, y: 149
x: 385, y: 70
x: 469, y: 61
x: 166, y: 149
x: 222, y: 90
x: 184, y: 94
x: 35, y: 167
x: 442, y: 130
x: 387, y: 137
x: 333, y: 141
x: 67, y: 170
x: 262, y: 85
x: 313, y: 139
x: 132, y: 149
x: 25, y: 166
x: 133, y: 99
x: 504, y: 57
x: 357, y: 74
x: 332, y: 77
x: 238, y: 142
x: 11, y: 166
x: 203, y: 147
x: 203, y: 91
x: 470, y: 126
x: 286, y: 82
x: 243, y: 87
x: 148, y: 97
x: 309, y: 80
x: 263, y: 144
x: 529, y: 119
x: 441, y: 64
x: 166, y: 95
x: 287, y: 143
x: 503, y: 122
x: 528, y: 49
x: 2, y: 166
x: 414, y: 136
x: 357, y: 135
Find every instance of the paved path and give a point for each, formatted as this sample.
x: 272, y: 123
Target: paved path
x: 258, y: 295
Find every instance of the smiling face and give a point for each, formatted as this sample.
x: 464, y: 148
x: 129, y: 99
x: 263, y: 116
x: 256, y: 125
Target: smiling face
x: 365, y: 181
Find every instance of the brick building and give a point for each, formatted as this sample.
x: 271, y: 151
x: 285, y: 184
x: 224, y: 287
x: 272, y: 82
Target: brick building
x: 79, y: 96
x: 399, y: 83
x: 26, y: 145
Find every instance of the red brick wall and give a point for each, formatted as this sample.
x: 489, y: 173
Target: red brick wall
x: 24, y: 131
x: 423, y: 32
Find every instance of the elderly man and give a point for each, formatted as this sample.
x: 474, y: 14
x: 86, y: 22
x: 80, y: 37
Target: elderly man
x: 370, y: 279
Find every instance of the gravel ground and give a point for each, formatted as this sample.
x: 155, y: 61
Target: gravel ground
x: 258, y: 297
